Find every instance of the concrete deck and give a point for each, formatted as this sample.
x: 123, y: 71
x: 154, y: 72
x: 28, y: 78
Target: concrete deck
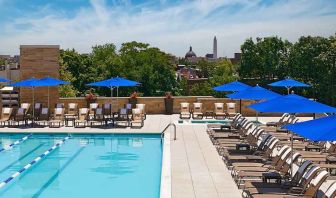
x: 196, y: 168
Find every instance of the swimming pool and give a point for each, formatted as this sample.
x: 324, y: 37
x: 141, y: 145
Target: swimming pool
x: 84, y: 166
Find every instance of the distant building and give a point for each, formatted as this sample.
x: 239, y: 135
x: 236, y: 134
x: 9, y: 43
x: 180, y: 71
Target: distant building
x: 236, y: 59
x: 191, y: 56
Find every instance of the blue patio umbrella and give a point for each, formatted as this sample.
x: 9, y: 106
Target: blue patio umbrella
x: 51, y: 82
x: 232, y: 86
x: 288, y: 83
x: 292, y: 103
x: 322, y: 129
x: 3, y: 80
x: 254, y: 93
x: 115, y: 82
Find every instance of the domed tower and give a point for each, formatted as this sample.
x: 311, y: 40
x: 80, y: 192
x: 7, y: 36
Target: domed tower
x: 190, y: 54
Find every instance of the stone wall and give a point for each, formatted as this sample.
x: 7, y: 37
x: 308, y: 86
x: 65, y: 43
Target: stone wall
x: 39, y: 61
x: 155, y: 105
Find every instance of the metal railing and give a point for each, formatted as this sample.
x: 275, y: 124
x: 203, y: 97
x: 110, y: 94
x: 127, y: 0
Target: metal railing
x: 164, y: 130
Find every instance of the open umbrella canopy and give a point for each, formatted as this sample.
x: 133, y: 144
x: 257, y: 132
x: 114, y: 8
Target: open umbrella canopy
x: 31, y: 82
x: 49, y: 82
x: 254, y: 93
x: 232, y: 86
x: 292, y: 103
x: 288, y: 82
x: 115, y: 82
x: 3, y: 80
x: 322, y: 129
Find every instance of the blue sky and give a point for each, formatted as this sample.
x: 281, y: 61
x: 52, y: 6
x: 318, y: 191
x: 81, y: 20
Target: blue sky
x: 169, y: 25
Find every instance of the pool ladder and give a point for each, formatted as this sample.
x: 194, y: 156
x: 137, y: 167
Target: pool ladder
x: 164, y: 130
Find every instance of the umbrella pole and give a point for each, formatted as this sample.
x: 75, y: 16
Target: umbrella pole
x: 117, y: 98
x: 292, y: 153
x: 33, y: 106
x: 111, y: 92
x: 240, y: 105
x: 48, y: 98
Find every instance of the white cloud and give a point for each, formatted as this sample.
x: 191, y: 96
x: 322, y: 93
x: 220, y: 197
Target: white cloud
x: 172, y: 28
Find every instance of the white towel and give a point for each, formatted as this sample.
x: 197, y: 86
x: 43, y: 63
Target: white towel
x: 106, y: 106
x: 72, y: 105
x: 37, y: 105
x: 140, y: 106
x: 136, y: 111
x: 93, y: 105
x: 184, y: 105
x: 99, y: 111
x: 58, y: 111
x: 6, y: 110
x: 219, y: 105
x: 44, y: 110
x: 231, y: 105
x: 123, y: 111
x: 24, y: 105
x: 21, y: 111
x: 83, y: 110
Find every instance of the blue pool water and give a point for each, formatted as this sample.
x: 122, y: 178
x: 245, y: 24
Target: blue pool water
x: 84, y: 166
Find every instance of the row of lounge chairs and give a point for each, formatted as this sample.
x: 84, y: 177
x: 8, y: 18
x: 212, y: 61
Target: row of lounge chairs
x: 95, y: 115
x: 264, y: 165
x: 198, y: 112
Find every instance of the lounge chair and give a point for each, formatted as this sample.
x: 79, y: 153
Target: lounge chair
x: 72, y: 110
x: 82, y: 117
x: 279, y: 123
x: 185, y: 111
x: 197, y: 111
x: 37, y: 110
x: 44, y: 117
x: 308, y: 186
x: 20, y: 116
x: 58, y: 118
x: 137, y: 118
x: 142, y: 107
x: 92, y: 109
x: 231, y: 109
x: 99, y: 118
x: 25, y: 106
x: 122, y: 118
x: 219, y: 111
x: 59, y: 105
x: 107, y: 112
x: 6, y: 114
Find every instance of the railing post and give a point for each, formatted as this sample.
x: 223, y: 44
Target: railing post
x: 170, y: 124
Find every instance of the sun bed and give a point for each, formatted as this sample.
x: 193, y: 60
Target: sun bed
x: 82, y: 117
x: 98, y: 118
x: 197, y: 112
x: 44, y: 117
x: 92, y: 109
x: 219, y: 112
x: 58, y: 118
x: 20, y: 116
x: 309, y: 184
x: 142, y: 107
x: 122, y: 119
x: 185, y: 111
x: 231, y: 109
x: 137, y: 118
x: 6, y: 115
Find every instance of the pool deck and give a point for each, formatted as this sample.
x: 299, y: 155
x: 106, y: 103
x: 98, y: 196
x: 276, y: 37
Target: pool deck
x: 196, y: 168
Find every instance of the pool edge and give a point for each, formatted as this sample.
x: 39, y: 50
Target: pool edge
x: 165, y: 186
